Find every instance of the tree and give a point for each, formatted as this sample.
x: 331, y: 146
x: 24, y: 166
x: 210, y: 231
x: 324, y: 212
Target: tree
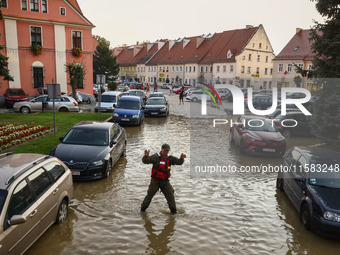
x: 103, y: 60
x: 76, y: 72
x: 4, y: 72
x: 326, y: 46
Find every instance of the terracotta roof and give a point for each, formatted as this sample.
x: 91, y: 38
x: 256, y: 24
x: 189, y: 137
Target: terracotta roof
x: 233, y: 40
x: 125, y: 57
x: 298, y: 48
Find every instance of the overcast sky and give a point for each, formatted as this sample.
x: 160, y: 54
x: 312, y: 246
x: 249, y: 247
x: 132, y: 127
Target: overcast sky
x: 126, y: 22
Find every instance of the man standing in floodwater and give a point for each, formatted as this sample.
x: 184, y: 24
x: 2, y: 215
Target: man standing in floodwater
x: 160, y: 174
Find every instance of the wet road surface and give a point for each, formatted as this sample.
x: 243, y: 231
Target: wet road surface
x: 239, y: 213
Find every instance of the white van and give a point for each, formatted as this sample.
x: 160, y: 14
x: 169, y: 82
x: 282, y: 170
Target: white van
x: 108, y: 101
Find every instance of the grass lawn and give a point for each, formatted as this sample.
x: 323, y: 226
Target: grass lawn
x: 43, y: 145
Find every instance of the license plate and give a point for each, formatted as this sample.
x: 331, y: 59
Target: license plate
x: 125, y: 119
x: 75, y: 173
x: 268, y: 150
x: 154, y: 113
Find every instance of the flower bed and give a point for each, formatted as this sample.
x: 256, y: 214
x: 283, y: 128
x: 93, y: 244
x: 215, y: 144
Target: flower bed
x: 11, y: 135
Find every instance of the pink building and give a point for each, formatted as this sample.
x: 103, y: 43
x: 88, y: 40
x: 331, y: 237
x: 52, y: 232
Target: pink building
x: 60, y: 27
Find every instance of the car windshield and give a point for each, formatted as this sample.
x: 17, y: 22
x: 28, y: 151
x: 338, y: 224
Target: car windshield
x: 16, y: 92
x: 325, y: 175
x: 3, y: 195
x: 136, y: 93
x: 260, y: 125
x: 126, y: 104
x: 108, y: 98
x: 85, y: 136
x: 156, y: 102
x: 156, y: 95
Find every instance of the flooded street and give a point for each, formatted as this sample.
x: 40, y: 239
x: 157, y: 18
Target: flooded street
x: 229, y: 213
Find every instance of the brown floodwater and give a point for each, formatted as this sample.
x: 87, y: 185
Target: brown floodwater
x: 228, y: 213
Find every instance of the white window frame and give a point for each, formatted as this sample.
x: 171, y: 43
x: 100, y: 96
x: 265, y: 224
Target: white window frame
x: 280, y: 68
x: 289, y: 68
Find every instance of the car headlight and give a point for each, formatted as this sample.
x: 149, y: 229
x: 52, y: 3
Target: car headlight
x: 98, y: 163
x: 331, y: 216
x: 163, y: 109
x: 116, y: 115
x: 135, y: 116
x: 253, y: 138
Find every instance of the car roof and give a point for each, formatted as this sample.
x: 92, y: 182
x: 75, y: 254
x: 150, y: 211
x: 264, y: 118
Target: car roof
x: 319, y: 155
x: 254, y: 117
x: 13, y: 165
x: 130, y: 98
x: 157, y: 98
x: 112, y: 93
x: 94, y: 124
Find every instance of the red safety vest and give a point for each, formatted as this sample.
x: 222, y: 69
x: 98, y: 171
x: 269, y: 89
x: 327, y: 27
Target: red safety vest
x: 162, y: 172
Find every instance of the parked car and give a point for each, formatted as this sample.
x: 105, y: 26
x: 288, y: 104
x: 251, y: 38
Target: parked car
x: 265, y: 91
x: 294, y: 123
x: 295, y: 95
x: 166, y: 86
x: 196, y: 95
x: 156, y: 94
x: 261, y: 102
x: 136, y: 92
x: 13, y: 96
x: 311, y: 181
x: 108, y: 101
x: 90, y: 149
x: 62, y: 104
x: 224, y: 93
x: 290, y: 108
x: 82, y: 97
x: 35, y: 191
x: 156, y: 106
x: 256, y: 135
x: 129, y: 110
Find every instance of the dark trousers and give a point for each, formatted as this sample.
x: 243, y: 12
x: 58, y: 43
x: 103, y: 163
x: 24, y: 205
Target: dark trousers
x: 166, y: 189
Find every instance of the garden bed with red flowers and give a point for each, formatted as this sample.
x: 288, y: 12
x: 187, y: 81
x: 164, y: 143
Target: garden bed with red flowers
x: 12, y: 135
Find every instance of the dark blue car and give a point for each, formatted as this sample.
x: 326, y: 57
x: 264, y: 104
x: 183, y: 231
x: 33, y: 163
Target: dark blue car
x: 310, y: 177
x: 129, y: 110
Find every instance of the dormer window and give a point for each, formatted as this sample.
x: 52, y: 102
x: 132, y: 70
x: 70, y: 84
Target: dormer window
x: 229, y: 54
x: 62, y: 11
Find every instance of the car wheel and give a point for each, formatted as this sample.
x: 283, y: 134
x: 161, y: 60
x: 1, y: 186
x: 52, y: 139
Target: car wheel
x: 231, y: 136
x: 305, y: 216
x: 25, y: 110
x: 279, y: 184
x: 63, y: 109
x: 242, y: 146
x: 194, y: 99
x: 62, y: 212
x: 108, y: 168
x: 286, y: 133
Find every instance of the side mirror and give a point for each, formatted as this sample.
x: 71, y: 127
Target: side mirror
x: 113, y: 142
x: 61, y: 139
x: 114, y: 105
x: 16, y: 220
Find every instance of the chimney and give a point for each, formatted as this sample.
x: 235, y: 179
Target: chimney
x: 298, y: 30
x: 249, y: 26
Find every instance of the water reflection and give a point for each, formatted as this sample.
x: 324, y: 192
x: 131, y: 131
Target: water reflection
x: 298, y: 239
x: 159, y: 237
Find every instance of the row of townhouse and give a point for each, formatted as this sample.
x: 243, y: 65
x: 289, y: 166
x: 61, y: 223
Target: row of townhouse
x: 242, y: 57
x: 64, y: 34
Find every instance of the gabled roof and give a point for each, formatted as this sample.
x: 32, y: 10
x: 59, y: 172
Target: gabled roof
x: 184, y: 50
x: 298, y: 48
x: 233, y: 41
x: 125, y: 57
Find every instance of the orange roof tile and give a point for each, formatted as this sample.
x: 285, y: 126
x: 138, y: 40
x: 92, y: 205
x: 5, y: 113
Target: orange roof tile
x: 298, y: 48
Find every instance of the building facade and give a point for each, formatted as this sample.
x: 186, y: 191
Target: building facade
x: 40, y: 37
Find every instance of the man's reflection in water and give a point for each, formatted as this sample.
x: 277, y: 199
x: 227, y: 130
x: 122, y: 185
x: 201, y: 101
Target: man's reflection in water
x: 159, y: 238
